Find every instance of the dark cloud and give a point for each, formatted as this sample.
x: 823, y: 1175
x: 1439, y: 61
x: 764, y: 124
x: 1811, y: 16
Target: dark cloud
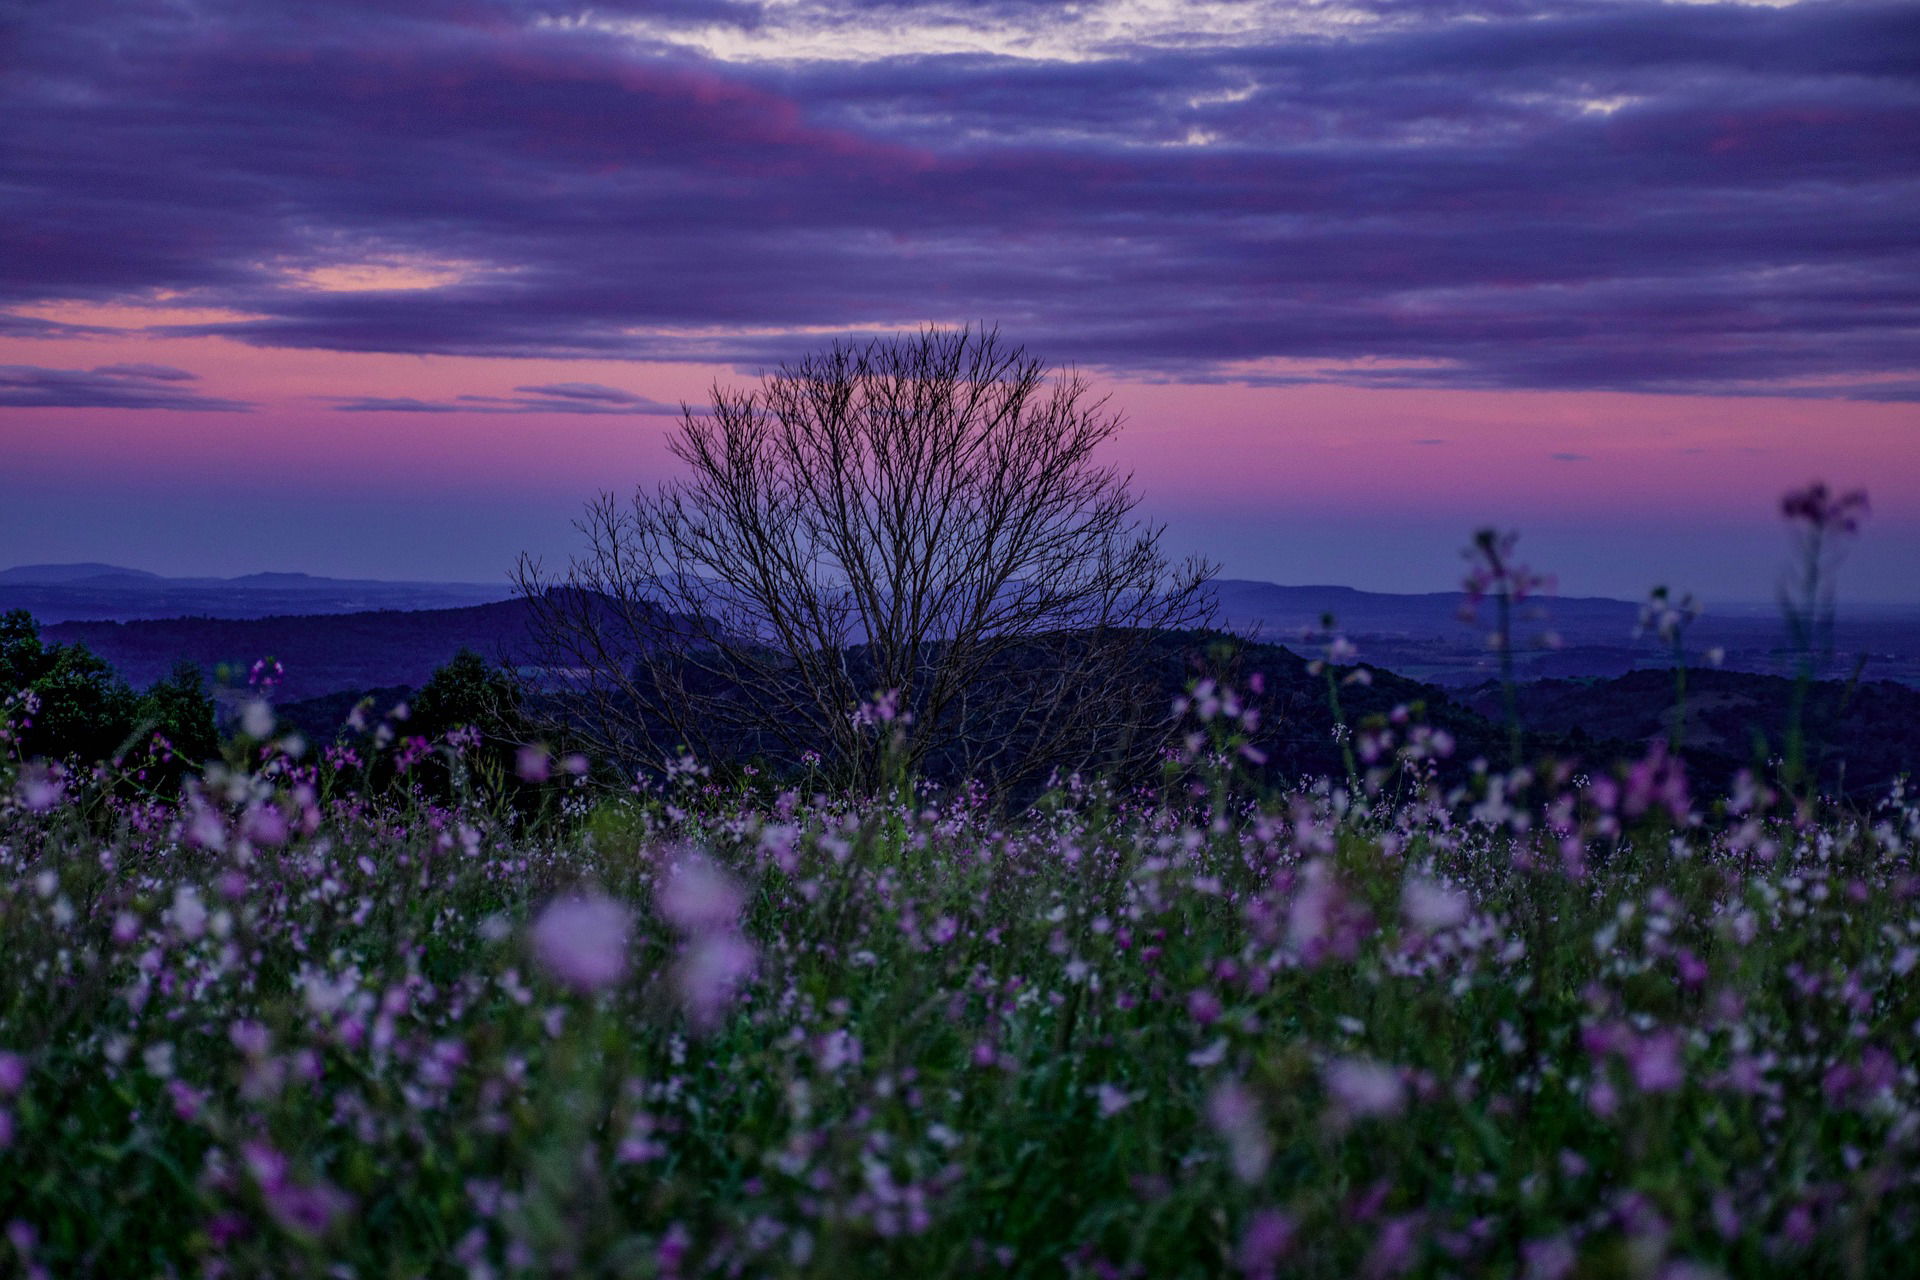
x: 591, y: 397
x: 1632, y: 195
x: 557, y: 397
x: 117, y: 386
x: 150, y: 372
x: 392, y: 404
x: 18, y: 326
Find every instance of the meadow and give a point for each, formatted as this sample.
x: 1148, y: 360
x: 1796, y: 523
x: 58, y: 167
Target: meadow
x: 1542, y: 1023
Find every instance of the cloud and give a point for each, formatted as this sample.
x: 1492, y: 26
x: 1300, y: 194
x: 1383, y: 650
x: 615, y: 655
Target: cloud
x: 115, y: 386
x: 1633, y: 196
x: 148, y: 372
x: 558, y: 397
x: 390, y: 404
x: 591, y: 397
x: 19, y: 326
x: 1570, y: 457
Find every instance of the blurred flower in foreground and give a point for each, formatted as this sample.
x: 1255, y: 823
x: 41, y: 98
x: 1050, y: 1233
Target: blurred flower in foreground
x: 41, y: 787
x: 1361, y: 1087
x: 1268, y: 1237
x: 304, y: 1208
x: 13, y: 1073
x: 533, y: 764
x: 582, y: 941
x: 1431, y: 907
x: 1236, y: 1116
x: 704, y: 903
x: 1817, y: 507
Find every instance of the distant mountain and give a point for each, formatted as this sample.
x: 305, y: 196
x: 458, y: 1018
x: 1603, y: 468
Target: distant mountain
x: 104, y: 592
x: 1421, y: 636
x: 1424, y: 636
x: 49, y: 574
x: 1275, y: 606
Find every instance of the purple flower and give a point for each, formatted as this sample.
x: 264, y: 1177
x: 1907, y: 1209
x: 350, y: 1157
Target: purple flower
x: 264, y: 824
x: 1362, y: 1087
x: 711, y: 971
x: 1430, y: 907
x: 533, y: 764
x: 1658, y: 782
x: 1236, y: 1116
x: 1394, y: 1250
x: 704, y: 904
x: 699, y: 897
x: 1266, y: 1240
x: 307, y: 1209
x: 1818, y: 508
x: 40, y: 788
x: 1203, y: 1006
x: 304, y: 1208
x: 1655, y: 1062
x: 582, y: 941
x: 13, y: 1073
x: 1551, y: 1259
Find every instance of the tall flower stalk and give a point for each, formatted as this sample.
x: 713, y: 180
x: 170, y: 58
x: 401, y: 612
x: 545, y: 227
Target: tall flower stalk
x: 1821, y: 524
x: 1495, y: 574
x: 1669, y: 619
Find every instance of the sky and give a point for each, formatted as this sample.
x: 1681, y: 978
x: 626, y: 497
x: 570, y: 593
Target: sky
x: 391, y: 288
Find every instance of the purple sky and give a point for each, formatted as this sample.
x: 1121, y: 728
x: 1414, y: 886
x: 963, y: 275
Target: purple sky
x: 400, y: 283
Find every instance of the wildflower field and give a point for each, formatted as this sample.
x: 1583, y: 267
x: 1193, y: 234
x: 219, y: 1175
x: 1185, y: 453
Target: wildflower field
x: 1538, y: 1024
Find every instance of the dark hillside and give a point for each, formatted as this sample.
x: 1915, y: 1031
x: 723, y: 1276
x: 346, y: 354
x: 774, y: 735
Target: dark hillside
x: 322, y: 654
x: 1872, y: 730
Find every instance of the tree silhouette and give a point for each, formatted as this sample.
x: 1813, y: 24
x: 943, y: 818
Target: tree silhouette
x: 922, y: 520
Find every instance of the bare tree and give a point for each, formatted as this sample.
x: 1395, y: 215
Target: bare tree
x: 923, y: 518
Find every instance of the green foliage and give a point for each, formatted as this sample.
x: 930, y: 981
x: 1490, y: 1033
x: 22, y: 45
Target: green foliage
x: 181, y: 711
x: 469, y: 691
x: 85, y: 711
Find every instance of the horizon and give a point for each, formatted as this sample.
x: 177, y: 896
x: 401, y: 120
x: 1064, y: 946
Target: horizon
x: 391, y: 291
x: 1727, y: 606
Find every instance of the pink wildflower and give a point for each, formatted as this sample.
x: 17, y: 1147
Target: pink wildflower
x: 1818, y: 508
x: 1395, y: 1249
x: 1431, y: 907
x: 1361, y: 1088
x: 1236, y: 1116
x: 41, y: 787
x: 582, y: 941
x: 704, y: 904
x: 264, y: 824
x: 698, y: 896
x: 1658, y: 782
x: 1203, y: 1006
x: 1655, y: 1062
x: 308, y: 1209
x: 711, y: 971
x: 1266, y: 1240
x: 533, y: 764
